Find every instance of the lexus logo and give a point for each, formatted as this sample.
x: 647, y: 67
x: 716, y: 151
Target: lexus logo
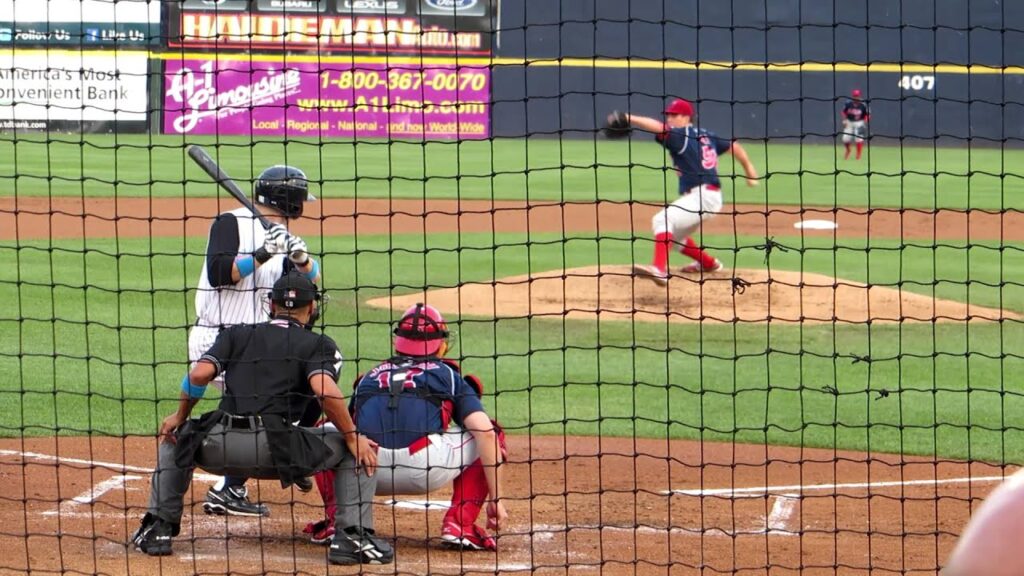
x: 371, y: 6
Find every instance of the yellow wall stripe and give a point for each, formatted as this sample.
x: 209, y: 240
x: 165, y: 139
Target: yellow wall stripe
x: 626, y: 63
x: 630, y: 63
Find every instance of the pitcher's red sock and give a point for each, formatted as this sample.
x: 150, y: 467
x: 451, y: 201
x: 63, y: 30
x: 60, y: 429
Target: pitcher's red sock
x: 691, y: 249
x: 860, y: 148
x: 662, y: 246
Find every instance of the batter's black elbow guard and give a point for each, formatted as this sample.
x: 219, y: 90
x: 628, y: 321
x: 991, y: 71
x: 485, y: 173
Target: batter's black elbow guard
x: 261, y: 255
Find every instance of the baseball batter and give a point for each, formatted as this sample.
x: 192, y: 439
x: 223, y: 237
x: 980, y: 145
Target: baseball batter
x: 695, y: 153
x: 243, y: 260
x: 431, y: 429
x: 855, y: 117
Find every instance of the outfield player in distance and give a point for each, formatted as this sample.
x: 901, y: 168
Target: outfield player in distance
x: 242, y: 263
x: 272, y: 371
x: 432, y: 430
x: 695, y: 153
x: 855, y: 117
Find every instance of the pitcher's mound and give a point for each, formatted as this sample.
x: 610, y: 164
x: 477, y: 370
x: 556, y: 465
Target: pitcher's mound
x: 746, y: 295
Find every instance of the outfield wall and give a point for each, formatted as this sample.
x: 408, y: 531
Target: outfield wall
x: 931, y: 69
x: 972, y: 96
x: 751, y: 104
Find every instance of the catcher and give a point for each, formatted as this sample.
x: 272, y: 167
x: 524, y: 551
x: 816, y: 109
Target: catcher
x: 431, y: 429
x: 695, y: 153
x: 855, y: 117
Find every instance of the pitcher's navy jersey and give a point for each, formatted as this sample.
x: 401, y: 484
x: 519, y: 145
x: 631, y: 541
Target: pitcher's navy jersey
x: 855, y: 110
x: 695, y: 153
x: 429, y: 395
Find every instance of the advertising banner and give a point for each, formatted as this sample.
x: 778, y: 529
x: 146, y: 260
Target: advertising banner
x: 72, y: 87
x: 432, y: 27
x: 319, y: 99
x: 80, y: 23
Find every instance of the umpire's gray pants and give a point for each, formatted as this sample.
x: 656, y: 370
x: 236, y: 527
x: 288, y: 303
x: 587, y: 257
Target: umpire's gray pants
x: 246, y: 453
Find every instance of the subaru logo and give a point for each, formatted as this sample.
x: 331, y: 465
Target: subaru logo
x: 6, y: 35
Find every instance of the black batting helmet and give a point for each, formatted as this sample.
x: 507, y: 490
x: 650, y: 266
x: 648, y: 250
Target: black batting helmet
x: 284, y: 188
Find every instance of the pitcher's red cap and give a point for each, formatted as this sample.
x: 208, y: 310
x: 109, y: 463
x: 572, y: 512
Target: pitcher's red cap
x: 679, y: 106
x: 855, y: 93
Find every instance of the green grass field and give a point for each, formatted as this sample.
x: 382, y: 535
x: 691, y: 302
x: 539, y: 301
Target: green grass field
x: 94, y: 332
x: 534, y: 169
x: 93, y: 336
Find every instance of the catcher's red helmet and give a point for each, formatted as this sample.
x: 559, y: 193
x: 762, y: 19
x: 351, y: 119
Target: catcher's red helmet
x: 422, y: 331
x: 680, y: 107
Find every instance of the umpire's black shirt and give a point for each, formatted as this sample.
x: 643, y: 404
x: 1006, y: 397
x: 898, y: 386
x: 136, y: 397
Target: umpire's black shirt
x: 268, y: 367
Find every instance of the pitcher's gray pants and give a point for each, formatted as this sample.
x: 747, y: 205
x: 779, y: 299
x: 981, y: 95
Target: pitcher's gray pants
x: 239, y: 452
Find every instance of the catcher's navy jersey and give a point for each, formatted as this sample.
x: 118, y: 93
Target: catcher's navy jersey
x: 405, y: 399
x: 855, y: 110
x: 695, y: 153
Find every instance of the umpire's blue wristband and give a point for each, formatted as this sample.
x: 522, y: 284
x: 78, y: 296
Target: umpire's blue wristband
x: 246, y: 265
x: 194, y: 392
x: 314, y: 270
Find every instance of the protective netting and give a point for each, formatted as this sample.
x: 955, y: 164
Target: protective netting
x: 812, y: 369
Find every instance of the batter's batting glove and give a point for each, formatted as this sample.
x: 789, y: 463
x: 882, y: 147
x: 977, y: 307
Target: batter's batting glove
x: 617, y: 125
x: 276, y: 240
x: 297, y: 251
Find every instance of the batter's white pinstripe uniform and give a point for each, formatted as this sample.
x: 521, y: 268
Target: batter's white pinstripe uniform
x: 242, y: 303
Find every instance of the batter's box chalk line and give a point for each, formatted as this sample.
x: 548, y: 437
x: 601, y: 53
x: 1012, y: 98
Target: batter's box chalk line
x: 775, y: 524
x: 799, y: 489
x: 72, y: 507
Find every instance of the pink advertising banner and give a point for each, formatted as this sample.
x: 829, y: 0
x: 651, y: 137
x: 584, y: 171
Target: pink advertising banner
x: 319, y: 99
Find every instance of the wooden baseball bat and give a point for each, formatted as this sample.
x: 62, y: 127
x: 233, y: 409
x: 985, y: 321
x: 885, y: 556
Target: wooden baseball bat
x: 210, y: 166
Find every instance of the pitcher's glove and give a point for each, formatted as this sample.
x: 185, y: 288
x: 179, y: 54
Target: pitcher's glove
x: 617, y: 126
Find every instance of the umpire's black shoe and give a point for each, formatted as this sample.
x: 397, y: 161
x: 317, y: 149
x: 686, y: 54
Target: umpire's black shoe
x: 360, y: 546
x: 233, y: 500
x: 303, y: 484
x: 154, y: 537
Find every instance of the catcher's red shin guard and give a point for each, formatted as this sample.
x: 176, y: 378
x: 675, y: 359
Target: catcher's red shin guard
x: 325, y: 484
x: 469, y: 490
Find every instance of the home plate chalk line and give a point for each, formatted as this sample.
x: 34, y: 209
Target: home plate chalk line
x: 119, y: 481
x: 777, y: 522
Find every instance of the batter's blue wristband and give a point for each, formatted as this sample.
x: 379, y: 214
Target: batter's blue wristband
x: 194, y: 392
x: 246, y: 265
x: 314, y: 270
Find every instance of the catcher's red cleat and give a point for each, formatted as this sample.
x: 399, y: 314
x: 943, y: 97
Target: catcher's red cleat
x: 659, y: 277
x: 320, y: 532
x: 697, y: 268
x: 472, y: 537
